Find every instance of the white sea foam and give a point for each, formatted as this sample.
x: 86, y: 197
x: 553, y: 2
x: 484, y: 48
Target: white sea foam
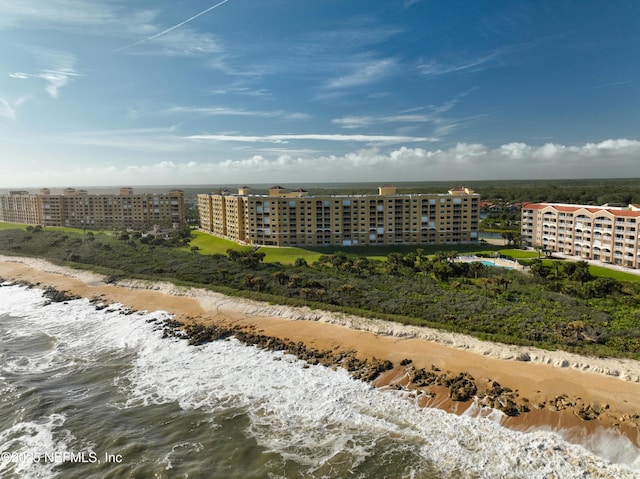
x: 313, y: 414
x: 624, y: 369
x: 27, y: 442
x: 307, y: 414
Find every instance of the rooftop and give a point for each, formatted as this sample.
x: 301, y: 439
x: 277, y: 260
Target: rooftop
x: 629, y: 210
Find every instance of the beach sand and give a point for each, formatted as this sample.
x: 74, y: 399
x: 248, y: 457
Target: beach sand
x: 544, y: 380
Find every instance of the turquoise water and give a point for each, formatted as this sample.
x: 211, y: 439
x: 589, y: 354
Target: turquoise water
x: 493, y: 265
x: 101, y: 394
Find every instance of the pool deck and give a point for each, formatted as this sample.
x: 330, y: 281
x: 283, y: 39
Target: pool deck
x: 497, y: 262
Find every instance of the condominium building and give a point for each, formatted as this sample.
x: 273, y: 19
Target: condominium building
x: 79, y: 209
x: 20, y: 207
x: 296, y: 218
x: 604, y: 233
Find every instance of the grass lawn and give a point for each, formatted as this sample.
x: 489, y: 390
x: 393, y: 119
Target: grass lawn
x: 519, y: 253
x: 209, y: 244
x: 11, y: 226
x: 596, y: 271
x: 602, y: 272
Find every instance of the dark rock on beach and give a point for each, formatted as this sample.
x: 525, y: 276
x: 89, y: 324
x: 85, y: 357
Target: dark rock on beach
x: 462, y: 388
x: 198, y: 334
x: 56, y: 296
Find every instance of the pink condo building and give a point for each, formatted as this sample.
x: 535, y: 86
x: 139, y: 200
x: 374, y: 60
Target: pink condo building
x: 607, y: 233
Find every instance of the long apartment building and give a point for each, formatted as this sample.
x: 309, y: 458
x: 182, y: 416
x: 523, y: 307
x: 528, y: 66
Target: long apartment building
x: 79, y: 209
x: 604, y: 233
x: 295, y: 218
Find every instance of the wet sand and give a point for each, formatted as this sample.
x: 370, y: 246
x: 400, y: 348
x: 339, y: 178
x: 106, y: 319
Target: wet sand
x: 548, y: 381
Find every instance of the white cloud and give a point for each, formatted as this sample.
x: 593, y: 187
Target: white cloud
x: 54, y: 13
x: 154, y: 140
x: 57, y: 72
x: 458, y: 163
x: 352, y: 122
x: 174, y: 27
x: 241, y: 90
x: 364, y: 73
x: 225, y: 111
x: 9, y: 108
x: 515, y: 151
x: 433, y: 68
x: 319, y: 137
x: 435, y: 115
x: 463, y: 161
x: 55, y: 79
x: 109, y: 19
x: 180, y: 43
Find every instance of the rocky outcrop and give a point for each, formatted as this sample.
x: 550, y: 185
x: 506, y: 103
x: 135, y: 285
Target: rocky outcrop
x: 56, y: 296
x: 198, y: 334
x: 460, y: 387
x: 502, y: 399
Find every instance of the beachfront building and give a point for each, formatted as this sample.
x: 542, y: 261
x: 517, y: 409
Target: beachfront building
x: 20, y: 207
x: 79, y: 209
x: 606, y: 233
x: 296, y: 218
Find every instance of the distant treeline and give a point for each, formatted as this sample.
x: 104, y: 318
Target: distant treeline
x: 584, y: 191
x: 589, y: 192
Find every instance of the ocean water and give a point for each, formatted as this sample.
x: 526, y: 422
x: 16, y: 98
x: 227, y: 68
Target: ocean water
x: 101, y: 394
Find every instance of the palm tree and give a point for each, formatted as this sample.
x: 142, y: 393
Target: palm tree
x: 475, y: 267
x: 581, y: 273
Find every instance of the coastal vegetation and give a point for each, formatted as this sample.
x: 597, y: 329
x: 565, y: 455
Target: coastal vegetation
x: 555, y: 304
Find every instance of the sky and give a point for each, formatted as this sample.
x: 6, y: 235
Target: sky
x: 229, y: 92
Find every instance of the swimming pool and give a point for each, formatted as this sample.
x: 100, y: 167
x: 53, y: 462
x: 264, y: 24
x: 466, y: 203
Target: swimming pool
x: 494, y: 265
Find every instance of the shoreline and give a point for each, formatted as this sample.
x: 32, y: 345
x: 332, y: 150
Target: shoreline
x: 538, y: 389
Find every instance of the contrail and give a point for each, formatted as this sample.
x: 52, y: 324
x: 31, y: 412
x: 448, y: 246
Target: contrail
x: 170, y: 28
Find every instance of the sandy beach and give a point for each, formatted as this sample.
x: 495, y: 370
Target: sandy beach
x: 556, y: 387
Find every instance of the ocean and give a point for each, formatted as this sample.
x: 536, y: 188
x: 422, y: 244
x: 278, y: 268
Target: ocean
x: 87, y: 393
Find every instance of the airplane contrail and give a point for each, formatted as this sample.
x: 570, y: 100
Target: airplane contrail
x: 170, y: 28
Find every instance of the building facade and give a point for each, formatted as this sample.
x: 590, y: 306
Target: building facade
x: 606, y: 233
x: 20, y: 207
x: 295, y: 218
x: 79, y: 209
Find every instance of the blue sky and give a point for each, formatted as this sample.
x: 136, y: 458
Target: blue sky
x: 115, y: 92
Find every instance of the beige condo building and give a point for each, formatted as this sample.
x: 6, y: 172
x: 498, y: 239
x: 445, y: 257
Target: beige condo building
x: 295, y: 218
x: 603, y: 233
x: 20, y: 207
x: 79, y: 209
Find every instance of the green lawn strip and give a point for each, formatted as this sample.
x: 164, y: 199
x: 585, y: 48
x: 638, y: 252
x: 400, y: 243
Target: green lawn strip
x: 602, y: 272
x: 64, y: 229
x: 596, y: 271
x: 11, y: 226
x: 519, y: 253
x: 210, y: 244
